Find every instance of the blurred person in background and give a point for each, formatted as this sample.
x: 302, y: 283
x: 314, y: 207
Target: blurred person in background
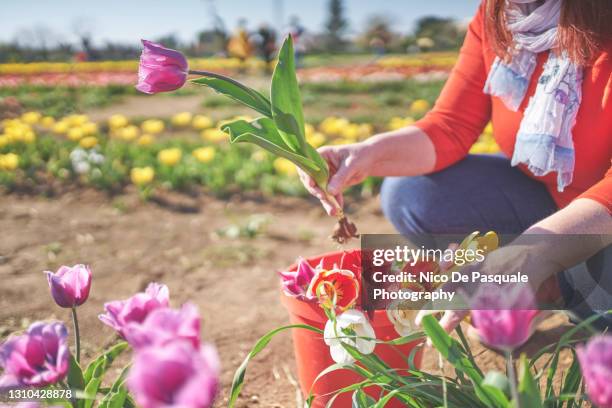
x: 297, y: 32
x: 239, y: 45
x: 541, y: 72
x: 266, y: 44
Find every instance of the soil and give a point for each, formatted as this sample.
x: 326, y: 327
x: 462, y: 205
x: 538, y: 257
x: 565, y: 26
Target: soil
x: 129, y: 243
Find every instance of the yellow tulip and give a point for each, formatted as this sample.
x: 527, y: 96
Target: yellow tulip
x: 128, y: 133
x: 31, y: 118
x: 60, y: 127
x: 285, y: 167
x: 76, y: 120
x: 398, y: 123
x: 47, y: 122
x: 89, y: 128
x: 9, y: 161
x: 152, y: 126
x: 333, y: 125
x: 204, y: 154
x: 88, y: 142
x: 316, y: 139
x: 350, y: 131
x: 75, y: 134
x: 28, y: 136
x: 142, y: 175
x: 364, y: 130
x: 419, y: 106
x: 145, y: 140
x: 4, y: 140
x: 182, y: 119
x: 201, y: 122
x: 214, y: 135
x: 308, y: 129
x: 117, y: 121
x: 170, y: 156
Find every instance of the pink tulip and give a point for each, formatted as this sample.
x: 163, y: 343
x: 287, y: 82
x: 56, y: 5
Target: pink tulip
x: 135, y: 309
x: 596, y: 364
x: 70, y: 285
x: 165, y: 325
x: 35, y: 359
x: 161, y: 69
x: 296, y: 283
x: 503, y: 315
x: 175, y: 375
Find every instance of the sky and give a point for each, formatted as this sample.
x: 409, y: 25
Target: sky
x: 129, y: 20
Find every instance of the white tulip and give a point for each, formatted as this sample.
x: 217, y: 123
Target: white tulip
x: 363, y: 339
x: 403, y: 319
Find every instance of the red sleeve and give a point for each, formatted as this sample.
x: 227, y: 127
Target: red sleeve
x: 601, y: 191
x: 462, y: 109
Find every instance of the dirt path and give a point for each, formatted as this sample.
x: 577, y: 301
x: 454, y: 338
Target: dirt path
x: 129, y: 244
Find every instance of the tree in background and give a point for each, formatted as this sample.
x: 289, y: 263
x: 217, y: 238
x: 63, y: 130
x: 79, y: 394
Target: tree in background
x: 336, y: 26
x: 437, y: 33
x: 378, y: 35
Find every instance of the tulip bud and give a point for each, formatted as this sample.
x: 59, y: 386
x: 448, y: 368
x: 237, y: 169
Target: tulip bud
x: 161, y: 69
x: 70, y: 285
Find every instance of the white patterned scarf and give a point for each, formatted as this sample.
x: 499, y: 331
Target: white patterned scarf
x: 544, y: 140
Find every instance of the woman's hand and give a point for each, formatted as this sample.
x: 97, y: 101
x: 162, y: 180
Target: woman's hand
x: 348, y: 165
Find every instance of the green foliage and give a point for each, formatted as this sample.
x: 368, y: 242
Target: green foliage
x: 281, y: 131
x: 63, y: 100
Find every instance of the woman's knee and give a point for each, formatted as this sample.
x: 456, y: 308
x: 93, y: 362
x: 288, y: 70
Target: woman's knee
x: 404, y: 203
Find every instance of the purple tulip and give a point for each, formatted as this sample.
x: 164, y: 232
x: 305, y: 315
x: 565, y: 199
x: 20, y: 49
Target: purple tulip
x: 35, y: 359
x: 296, y: 283
x: 503, y: 315
x: 165, y: 325
x: 596, y: 364
x: 135, y: 309
x: 175, y: 375
x: 70, y: 285
x: 161, y: 69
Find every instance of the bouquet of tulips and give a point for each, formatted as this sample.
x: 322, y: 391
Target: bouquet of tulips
x: 280, y: 129
x: 170, y: 365
x: 502, y: 319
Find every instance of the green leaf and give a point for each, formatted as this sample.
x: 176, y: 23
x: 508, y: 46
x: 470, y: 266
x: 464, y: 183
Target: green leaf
x: 451, y: 350
x: 259, y: 346
x: 114, y: 399
x: 264, y: 133
x: 75, y: 375
x: 286, y: 100
x: 98, y: 367
x: 529, y: 393
x: 573, y: 379
x: 361, y: 399
x: 90, y: 391
x: 238, y: 92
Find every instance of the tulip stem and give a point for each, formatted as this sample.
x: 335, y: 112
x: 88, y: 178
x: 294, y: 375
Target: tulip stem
x: 77, y: 335
x: 512, y: 378
x: 221, y: 77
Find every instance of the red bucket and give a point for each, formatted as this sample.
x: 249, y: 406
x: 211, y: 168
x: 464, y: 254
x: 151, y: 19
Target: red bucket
x: 312, y: 354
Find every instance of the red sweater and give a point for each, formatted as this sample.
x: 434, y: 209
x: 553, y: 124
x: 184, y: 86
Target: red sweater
x: 463, y: 110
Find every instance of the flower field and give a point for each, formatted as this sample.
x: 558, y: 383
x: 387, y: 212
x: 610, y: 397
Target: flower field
x: 104, y: 73
x: 177, y: 153
x: 91, y: 188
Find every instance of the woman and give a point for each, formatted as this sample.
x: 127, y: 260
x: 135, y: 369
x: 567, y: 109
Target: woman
x: 541, y: 72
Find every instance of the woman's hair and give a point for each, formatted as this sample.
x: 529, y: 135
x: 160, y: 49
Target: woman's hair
x: 585, y: 28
